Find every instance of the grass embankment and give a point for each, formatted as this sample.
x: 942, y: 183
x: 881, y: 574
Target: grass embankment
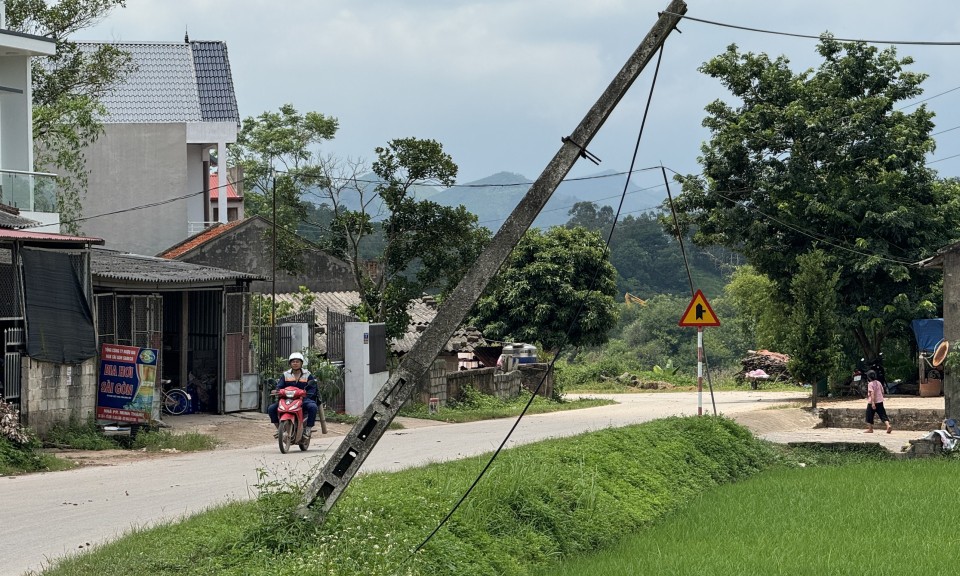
x: 537, y: 504
x: 886, y: 517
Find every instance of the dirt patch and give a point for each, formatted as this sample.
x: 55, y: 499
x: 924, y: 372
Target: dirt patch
x: 239, y: 430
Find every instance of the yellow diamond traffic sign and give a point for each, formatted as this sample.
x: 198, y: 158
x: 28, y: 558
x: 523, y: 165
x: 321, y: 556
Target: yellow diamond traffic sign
x: 699, y: 312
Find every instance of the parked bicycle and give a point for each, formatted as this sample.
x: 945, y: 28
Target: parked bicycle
x: 176, y: 401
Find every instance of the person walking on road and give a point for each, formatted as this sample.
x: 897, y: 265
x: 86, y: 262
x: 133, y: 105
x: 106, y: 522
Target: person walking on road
x: 875, y: 402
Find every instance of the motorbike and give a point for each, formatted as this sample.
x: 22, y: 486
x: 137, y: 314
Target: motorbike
x: 859, y: 384
x: 290, y: 411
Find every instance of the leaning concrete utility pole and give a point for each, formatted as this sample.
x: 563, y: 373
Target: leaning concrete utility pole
x: 363, y: 437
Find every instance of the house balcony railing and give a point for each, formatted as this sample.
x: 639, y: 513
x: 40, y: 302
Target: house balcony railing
x: 28, y: 191
x: 197, y: 227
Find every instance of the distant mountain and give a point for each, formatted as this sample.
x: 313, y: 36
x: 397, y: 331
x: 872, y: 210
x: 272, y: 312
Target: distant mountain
x: 493, y: 198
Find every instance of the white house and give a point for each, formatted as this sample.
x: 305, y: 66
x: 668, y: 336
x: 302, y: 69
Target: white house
x: 161, y: 125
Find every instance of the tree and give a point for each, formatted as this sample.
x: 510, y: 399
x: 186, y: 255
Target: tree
x: 813, y: 320
x: 760, y: 318
x: 423, y: 246
x: 277, y: 151
x: 828, y: 160
x: 648, y: 261
x: 67, y: 88
x: 556, y: 287
x: 591, y: 217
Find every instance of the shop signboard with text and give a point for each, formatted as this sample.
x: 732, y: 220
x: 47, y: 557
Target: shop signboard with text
x: 128, y: 375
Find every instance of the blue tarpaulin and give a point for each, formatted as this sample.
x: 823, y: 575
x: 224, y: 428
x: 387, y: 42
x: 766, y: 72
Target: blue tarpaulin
x: 929, y: 333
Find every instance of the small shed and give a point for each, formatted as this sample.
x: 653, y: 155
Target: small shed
x: 197, y: 317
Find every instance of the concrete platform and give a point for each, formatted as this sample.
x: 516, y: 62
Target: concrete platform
x: 800, y: 425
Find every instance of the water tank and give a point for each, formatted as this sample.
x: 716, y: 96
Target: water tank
x: 521, y: 353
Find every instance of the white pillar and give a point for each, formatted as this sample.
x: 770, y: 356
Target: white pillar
x: 222, y: 175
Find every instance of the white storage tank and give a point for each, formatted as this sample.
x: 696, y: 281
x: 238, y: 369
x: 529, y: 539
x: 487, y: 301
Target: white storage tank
x: 519, y: 353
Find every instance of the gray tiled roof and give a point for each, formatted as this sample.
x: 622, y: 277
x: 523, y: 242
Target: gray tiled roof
x: 170, y: 83
x: 218, y: 102
x: 109, y: 264
x: 9, y: 220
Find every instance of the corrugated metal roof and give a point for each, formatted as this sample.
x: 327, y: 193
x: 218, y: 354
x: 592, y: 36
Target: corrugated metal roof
x: 24, y: 235
x: 422, y: 311
x: 218, y: 101
x: 108, y: 264
x: 215, y: 188
x: 172, y: 82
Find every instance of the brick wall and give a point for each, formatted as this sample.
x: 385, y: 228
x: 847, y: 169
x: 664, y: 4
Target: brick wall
x: 56, y: 392
x: 447, y: 386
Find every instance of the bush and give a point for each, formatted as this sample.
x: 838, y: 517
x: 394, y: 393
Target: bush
x: 80, y: 435
x: 10, y: 427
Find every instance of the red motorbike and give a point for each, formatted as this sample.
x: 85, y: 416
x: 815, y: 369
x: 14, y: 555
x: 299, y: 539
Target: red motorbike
x: 290, y: 411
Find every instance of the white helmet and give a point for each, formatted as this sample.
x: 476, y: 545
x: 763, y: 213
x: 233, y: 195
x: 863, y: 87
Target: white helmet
x: 297, y: 356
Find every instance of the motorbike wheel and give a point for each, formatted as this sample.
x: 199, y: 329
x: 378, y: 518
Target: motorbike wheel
x: 285, y: 436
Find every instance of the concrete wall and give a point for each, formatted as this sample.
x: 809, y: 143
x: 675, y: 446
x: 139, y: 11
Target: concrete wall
x: 247, y: 249
x: 55, y: 392
x: 195, y: 179
x: 900, y: 418
x: 16, y: 132
x: 132, y: 165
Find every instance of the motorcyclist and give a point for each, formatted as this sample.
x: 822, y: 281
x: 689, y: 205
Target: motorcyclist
x: 298, y: 376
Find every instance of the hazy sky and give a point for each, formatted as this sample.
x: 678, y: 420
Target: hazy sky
x: 499, y: 82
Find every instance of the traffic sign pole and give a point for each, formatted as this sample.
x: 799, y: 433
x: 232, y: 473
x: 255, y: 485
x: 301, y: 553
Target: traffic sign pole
x: 699, y: 370
x: 699, y: 314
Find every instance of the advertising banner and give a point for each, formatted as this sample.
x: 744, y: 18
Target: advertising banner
x: 128, y: 375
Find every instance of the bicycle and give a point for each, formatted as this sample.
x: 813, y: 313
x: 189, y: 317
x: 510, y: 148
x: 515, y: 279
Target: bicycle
x: 176, y: 401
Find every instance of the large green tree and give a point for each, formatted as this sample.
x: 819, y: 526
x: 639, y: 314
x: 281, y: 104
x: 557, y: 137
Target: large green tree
x: 556, y: 287
x: 830, y: 159
x: 279, y: 154
x: 418, y: 246
x: 67, y: 88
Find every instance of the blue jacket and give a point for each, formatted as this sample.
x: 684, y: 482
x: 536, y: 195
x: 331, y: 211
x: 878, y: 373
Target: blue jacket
x: 306, y: 382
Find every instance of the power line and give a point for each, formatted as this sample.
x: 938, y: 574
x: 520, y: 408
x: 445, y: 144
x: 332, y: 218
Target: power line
x: 813, y: 235
x: 141, y: 206
x: 472, y: 185
x: 813, y: 36
x: 954, y: 89
x: 942, y: 159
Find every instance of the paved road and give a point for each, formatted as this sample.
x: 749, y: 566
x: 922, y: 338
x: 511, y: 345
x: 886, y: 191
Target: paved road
x: 45, y: 516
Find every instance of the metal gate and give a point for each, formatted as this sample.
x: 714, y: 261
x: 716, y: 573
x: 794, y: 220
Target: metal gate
x: 242, y: 391
x: 13, y: 342
x: 132, y: 320
x: 335, y: 334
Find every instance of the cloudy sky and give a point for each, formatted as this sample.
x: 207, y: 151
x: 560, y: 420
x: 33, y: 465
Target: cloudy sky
x: 499, y: 82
